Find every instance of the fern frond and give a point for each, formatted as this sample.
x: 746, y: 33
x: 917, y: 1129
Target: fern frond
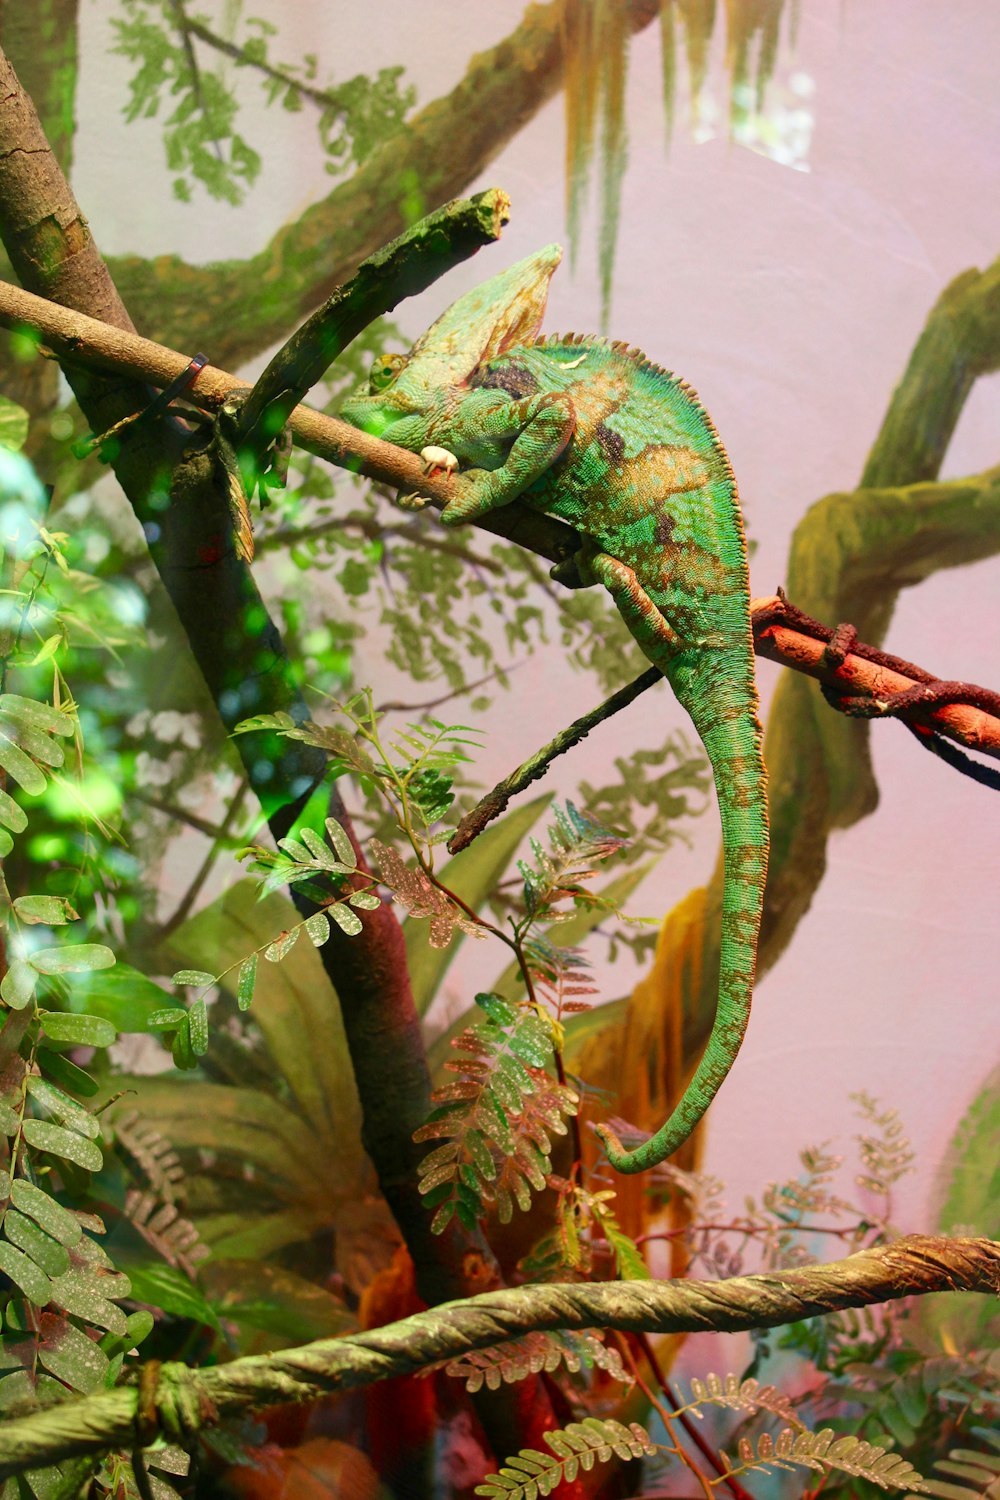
x: 887, y: 1156
x: 981, y: 1470
x: 577, y: 1446
x: 175, y: 1239
x: 412, y: 889
x: 823, y: 1451
x: 516, y: 1359
x: 152, y: 1152
x: 484, y: 1117
x: 743, y: 1395
x: 561, y: 976
x: 578, y: 845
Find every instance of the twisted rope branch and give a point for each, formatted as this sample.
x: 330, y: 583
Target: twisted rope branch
x: 176, y: 1401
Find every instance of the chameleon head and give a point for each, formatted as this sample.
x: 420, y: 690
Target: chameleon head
x: 505, y: 311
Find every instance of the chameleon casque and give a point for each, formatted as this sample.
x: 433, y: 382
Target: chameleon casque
x: 592, y: 432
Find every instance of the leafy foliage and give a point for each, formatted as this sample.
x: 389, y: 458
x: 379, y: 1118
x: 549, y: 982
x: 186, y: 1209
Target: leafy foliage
x: 824, y: 1451
x: 516, y: 1359
x: 502, y: 1105
x: 579, y: 1445
x: 172, y: 52
x: 63, y: 1327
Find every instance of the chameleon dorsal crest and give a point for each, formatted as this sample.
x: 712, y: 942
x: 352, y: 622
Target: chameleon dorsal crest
x: 624, y: 452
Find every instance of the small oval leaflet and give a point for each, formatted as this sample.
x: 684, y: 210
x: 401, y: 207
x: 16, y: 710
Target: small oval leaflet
x: 196, y: 977
x: 25, y: 1275
x: 41, y: 1247
x: 345, y: 919
x: 283, y: 943
x: 11, y: 814
x: 65, y: 1143
x: 54, y: 911
x: 42, y: 715
x: 318, y: 928
x: 198, y: 1028
x: 68, y: 1074
x: 80, y: 1292
x: 84, y: 1031
x: 18, y: 984
x: 63, y: 1107
x: 58, y: 1221
x: 246, y: 981
x: 75, y: 958
x: 20, y: 767
x: 167, y: 1018
x: 67, y: 1353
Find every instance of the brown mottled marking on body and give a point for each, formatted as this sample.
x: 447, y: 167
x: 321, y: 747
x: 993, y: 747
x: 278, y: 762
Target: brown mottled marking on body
x: 665, y: 469
x: 612, y: 444
x: 697, y: 570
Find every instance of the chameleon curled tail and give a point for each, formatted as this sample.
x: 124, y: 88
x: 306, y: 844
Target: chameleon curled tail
x: 732, y: 737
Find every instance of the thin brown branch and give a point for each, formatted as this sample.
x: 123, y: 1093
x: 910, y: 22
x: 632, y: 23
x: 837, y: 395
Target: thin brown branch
x: 869, y: 676
x: 178, y: 1401
x: 410, y: 531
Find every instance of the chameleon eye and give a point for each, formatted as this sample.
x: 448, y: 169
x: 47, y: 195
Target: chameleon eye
x: 385, y: 368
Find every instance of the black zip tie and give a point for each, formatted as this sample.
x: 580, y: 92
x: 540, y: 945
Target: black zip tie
x: 84, y: 447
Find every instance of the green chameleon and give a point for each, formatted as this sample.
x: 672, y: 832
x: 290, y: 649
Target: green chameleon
x: 625, y: 453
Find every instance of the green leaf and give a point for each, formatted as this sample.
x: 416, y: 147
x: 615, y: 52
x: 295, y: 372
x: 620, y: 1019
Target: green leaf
x: 63, y: 1107
x: 169, y: 1289
x: 45, y: 1211
x: 364, y: 900
x: 48, y: 648
x: 245, y: 982
x: 65, y: 1143
x: 75, y: 958
x: 18, y: 984
x: 318, y: 929
x: 82, y: 1031
x: 341, y: 844
x: 345, y: 919
x: 43, y: 1249
x: 284, y: 943
x: 498, y: 1009
x: 198, y: 1028
x: 13, y: 424
x: 25, y: 1275
x: 279, y: 721
x: 121, y: 995
x: 20, y: 767
x: 6, y: 843
x: 70, y: 1355
x: 65, y: 1072
x: 256, y: 1294
x: 82, y: 1292
x: 38, y: 715
x: 472, y: 875
x: 10, y: 1120
x: 196, y: 977
x: 181, y: 1050
x: 167, y: 1019
x: 12, y: 814
x: 55, y: 911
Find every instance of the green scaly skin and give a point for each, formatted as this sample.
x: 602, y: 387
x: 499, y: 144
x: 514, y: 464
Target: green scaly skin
x: 625, y: 453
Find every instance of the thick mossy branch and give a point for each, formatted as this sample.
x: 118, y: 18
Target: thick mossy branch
x: 177, y: 1401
